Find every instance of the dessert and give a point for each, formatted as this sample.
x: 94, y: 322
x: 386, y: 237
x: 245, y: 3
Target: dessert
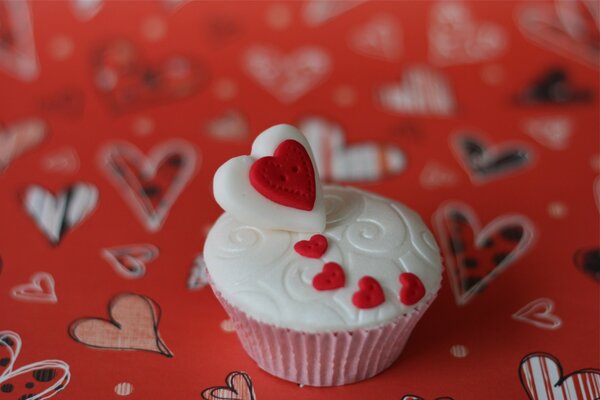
x: 324, y: 284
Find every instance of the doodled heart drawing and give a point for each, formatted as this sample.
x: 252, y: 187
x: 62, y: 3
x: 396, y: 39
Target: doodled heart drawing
x: 238, y: 387
x: 571, y: 28
x: 587, y: 260
x: 475, y: 256
x: 55, y: 215
x: 484, y: 162
x: 287, y: 76
x: 539, y: 313
x: 40, y: 289
x: 455, y: 37
x: 380, y: 38
x: 18, y: 55
x: 542, y: 378
x: 38, y: 380
x: 128, y: 81
x: 276, y: 186
x: 150, y: 184
x: 19, y: 137
x: 130, y: 261
x: 133, y: 325
x: 358, y: 162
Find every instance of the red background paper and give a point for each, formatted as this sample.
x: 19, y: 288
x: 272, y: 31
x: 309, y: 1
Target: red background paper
x: 485, y: 94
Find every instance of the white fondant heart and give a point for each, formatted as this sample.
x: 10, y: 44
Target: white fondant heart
x: 236, y: 195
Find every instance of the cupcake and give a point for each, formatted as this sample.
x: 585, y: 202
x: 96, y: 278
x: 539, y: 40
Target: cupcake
x: 324, y: 284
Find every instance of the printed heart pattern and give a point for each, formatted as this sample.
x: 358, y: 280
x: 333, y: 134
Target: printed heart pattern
x: 539, y: 313
x: 40, y: 289
x: 484, y: 162
x: 86, y: 9
x: 287, y: 177
x: 422, y: 91
x: 412, y: 289
x: 542, y: 378
x: 317, y: 12
x: 276, y: 186
x: 474, y: 257
x: 330, y: 278
x: 553, y: 86
x: 68, y: 102
x: 238, y: 387
x: 369, y: 294
x: 570, y: 28
x: 287, y: 77
x: 38, y: 380
x: 315, y: 247
x: 18, y: 138
x: 587, y: 260
x: 18, y: 55
x: 127, y: 81
x: 231, y: 125
x: 413, y: 397
x: 380, y: 38
x: 435, y: 175
x: 130, y: 261
x: 150, y: 184
x: 133, y: 326
x: 553, y: 132
x: 456, y: 38
x: 56, y: 215
x: 198, y: 274
x: 360, y: 162
x: 64, y: 161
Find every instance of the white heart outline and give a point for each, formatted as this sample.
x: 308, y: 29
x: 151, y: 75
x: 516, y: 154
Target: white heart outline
x: 23, y: 291
x: 524, y: 313
x: 147, y: 253
x: 236, y: 195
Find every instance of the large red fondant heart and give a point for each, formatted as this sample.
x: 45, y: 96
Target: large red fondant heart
x: 287, y: 177
x: 332, y: 277
x: 313, y: 248
x: 412, y: 289
x: 369, y: 294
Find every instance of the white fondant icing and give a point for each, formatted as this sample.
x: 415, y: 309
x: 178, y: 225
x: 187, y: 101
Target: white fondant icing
x: 236, y: 195
x: 258, y: 271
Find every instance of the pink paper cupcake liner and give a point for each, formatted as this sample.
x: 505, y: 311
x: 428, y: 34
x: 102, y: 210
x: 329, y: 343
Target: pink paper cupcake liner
x: 323, y: 359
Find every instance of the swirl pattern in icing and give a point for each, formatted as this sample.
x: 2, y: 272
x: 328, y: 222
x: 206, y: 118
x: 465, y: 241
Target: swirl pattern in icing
x: 257, y: 270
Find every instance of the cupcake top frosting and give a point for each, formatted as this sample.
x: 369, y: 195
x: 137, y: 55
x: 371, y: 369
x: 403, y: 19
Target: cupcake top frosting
x: 375, y: 261
x: 291, y: 253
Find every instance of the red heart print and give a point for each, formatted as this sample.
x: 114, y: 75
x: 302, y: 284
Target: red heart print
x: 287, y: 177
x: 332, y: 277
x: 370, y: 293
x: 412, y: 289
x: 313, y: 248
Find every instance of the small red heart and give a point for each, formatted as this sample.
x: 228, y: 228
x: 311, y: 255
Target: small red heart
x: 313, y: 248
x: 287, y: 177
x: 370, y: 293
x: 412, y: 289
x: 331, y: 277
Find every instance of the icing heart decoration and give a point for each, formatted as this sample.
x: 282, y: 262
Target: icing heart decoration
x: 542, y: 378
x: 276, y: 186
x: 287, y: 178
x: 315, y: 247
x: 412, y: 289
x: 332, y: 277
x: 539, y: 313
x: 238, y: 387
x: 130, y: 261
x: 40, y: 289
x: 473, y: 256
x: 38, y: 380
x: 133, y: 325
x: 369, y: 295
